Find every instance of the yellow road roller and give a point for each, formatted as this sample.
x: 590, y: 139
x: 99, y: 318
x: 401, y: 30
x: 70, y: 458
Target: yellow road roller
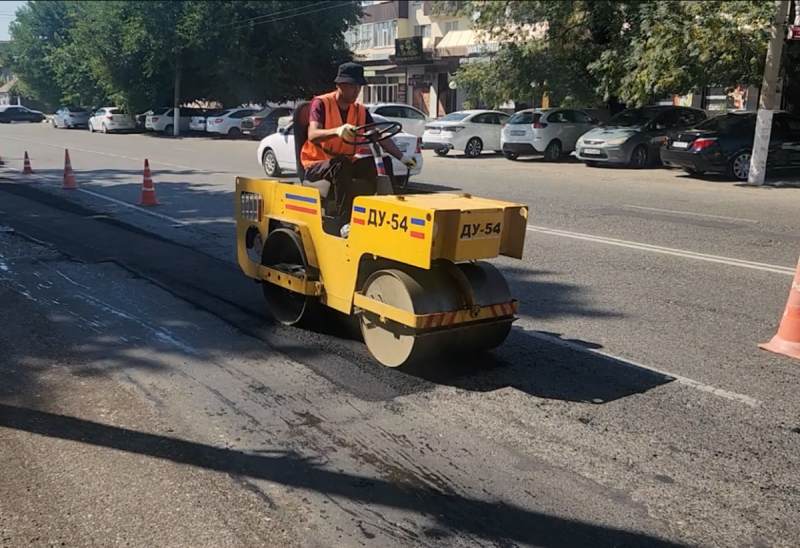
x: 412, y: 268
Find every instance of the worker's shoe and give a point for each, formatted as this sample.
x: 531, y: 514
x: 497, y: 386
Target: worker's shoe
x: 345, y: 231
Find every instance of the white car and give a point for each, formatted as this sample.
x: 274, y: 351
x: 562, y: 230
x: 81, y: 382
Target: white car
x: 276, y: 152
x: 162, y: 120
x: 472, y: 131
x: 413, y: 120
x: 228, y: 122
x: 70, y: 117
x: 108, y: 119
x: 198, y: 121
x: 550, y: 132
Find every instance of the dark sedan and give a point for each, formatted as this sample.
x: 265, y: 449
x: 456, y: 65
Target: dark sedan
x: 14, y: 113
x: 264, y: 123
x: 724, y: 144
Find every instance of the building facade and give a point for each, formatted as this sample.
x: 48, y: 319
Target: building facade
x: 409, y: 54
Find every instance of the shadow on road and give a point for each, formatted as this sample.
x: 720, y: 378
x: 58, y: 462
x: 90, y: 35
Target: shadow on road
x: 527, y: 361
x: 454, y: 513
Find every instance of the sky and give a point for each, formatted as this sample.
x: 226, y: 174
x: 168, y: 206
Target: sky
x: 7, y: 10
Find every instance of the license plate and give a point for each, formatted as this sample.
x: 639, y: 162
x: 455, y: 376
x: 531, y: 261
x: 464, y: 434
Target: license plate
x: 680, y: 144
x: 518, y: 133
x: 591, y: 151
x: 437, y: 130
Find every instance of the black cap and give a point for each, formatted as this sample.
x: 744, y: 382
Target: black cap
x: 351, y: 73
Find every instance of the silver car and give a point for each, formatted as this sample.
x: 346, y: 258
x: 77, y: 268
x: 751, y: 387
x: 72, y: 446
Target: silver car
x: 550, y: 132
x: 69, y: 117
x: 634, y: 136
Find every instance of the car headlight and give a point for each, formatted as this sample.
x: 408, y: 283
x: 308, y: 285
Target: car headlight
x: 617, y: 141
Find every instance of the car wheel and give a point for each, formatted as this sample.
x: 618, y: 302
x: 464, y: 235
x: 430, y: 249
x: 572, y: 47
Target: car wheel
x: 739, y: 166
x: 442, y: 151
x: 53, y: 123
x: 510, y: 156
x: 270, y: 163
x: 640, y: 157
x: 553, y: 151
x: 89, y: 127
x: 474, y: 147
x: 169, y: 129
x: 103, y: 128
x: 234, y: 132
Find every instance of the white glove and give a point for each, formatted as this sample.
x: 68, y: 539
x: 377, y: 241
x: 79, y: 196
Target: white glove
x: 346, y: 131
x: 409, y: 162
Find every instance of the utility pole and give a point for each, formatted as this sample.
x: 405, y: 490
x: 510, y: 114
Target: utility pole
x: 176, y: 120
x: 769, y: 89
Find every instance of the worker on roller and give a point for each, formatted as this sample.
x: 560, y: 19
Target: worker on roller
x: 325, y: 155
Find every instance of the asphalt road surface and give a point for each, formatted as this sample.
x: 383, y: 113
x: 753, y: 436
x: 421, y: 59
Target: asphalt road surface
x: 630, y: 407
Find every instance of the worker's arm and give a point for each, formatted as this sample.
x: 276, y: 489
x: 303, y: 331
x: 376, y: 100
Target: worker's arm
x: 389, y: 146
x: 317, y: 134
x: 316, y: 124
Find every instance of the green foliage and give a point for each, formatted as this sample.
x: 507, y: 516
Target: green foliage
x: 587, y: 52
x: 136, y: 53
x: 448, y: 7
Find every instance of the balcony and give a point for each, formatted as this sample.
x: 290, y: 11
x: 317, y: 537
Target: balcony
x: 385, y: 11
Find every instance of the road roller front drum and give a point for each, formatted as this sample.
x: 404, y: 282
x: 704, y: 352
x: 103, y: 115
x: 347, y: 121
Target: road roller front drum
x: 440, y: 289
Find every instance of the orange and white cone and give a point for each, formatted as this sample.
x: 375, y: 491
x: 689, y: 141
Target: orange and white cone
x: 69, y: 177
x: 148, y: 190
x: 26, y: 167
x: 787, y: 340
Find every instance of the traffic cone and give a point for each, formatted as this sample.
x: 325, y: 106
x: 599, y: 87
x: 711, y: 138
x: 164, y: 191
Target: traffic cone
x: 69, y: 177
x: 26, y: 168
x: 148, y: 190
x: 787, y: 340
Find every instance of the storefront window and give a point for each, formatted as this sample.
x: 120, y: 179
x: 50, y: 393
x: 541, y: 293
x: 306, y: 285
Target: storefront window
x: 385, y: 33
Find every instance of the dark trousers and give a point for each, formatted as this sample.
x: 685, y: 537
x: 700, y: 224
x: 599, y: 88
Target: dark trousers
x: 349, y: 180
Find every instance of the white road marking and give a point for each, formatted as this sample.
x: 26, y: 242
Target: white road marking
x: 689, y: 214
x: 118, y: 202
x: 775, y: 269
x: 112, y: 155
x: 733, y: 396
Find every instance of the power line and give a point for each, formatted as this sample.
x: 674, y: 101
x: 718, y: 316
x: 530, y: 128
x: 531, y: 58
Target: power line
x: 281, y: 12
x: 329, y: 7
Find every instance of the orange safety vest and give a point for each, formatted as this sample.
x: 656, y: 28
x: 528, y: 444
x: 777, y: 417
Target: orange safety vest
x: 311, y: 153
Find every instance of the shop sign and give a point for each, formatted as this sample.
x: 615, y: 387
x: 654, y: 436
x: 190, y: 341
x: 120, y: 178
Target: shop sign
x: 408, y: 50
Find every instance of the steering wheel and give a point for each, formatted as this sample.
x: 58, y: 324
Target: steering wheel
x: 372, y: 133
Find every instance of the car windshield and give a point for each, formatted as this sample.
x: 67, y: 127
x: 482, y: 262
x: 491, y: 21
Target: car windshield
x: 77, y: 109
x: 525, y: 118
x: 454, y: 117
x: 634, y: 117
x: 727, y: 123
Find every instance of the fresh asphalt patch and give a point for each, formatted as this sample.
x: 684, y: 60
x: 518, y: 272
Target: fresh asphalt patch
x: 334, y: 351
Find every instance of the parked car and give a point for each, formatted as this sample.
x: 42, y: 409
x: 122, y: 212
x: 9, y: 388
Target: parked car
x: 70, y: 117
x: 228, y: 122
x: 724, y: 144
x: 472, y: 131
x: 265, y: 122
x: 198, y: 121
x: 16, y: 113
x: 550, y: 132
x: 634, y: 136
x: 276, y: 152
x: 162, y: 120
x: 413, y: 120
x: 111, y: 119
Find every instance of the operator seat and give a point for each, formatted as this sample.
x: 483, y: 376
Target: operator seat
x: 300, y: 122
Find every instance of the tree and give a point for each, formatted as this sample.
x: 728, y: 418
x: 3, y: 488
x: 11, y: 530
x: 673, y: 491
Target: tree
x: 141, y: 54
x: 589, y: 51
